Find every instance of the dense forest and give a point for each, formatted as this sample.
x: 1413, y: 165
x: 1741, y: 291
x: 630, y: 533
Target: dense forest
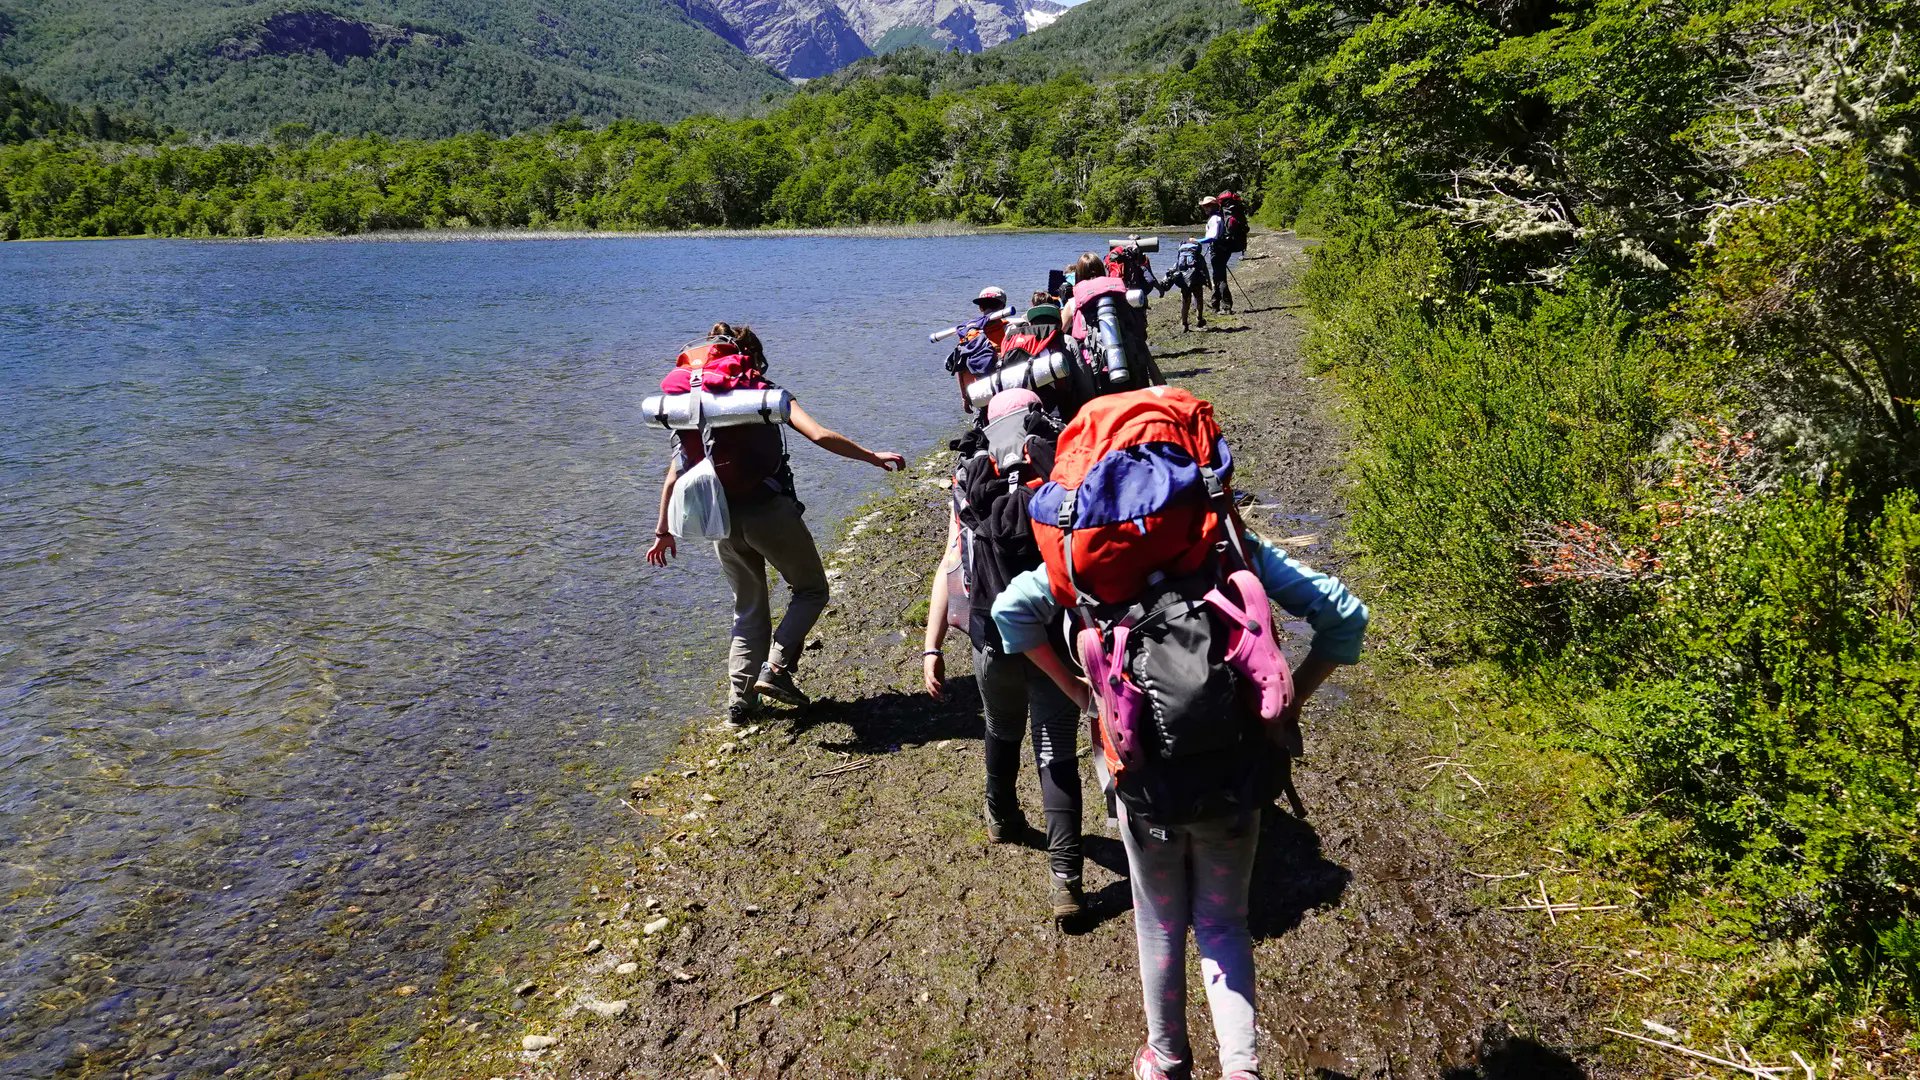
x: 879, y: 150
x: 1626, y: 297
x: 416, y: 68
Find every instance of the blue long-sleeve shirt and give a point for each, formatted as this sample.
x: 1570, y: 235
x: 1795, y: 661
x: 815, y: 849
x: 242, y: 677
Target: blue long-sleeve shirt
x: 1025, y: 608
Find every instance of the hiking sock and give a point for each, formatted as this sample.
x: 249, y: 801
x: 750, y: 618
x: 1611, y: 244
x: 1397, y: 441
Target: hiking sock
x: 1003, y: 769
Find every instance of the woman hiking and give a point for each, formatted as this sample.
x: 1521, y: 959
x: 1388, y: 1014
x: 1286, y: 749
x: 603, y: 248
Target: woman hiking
x: 989, y: 512
x: 1197, y: 874
x: 766, y: 527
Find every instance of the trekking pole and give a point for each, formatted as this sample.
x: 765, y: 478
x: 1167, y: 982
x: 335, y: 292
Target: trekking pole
x: 1242, y: 290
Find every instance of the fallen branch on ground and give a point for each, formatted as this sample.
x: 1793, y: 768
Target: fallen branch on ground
x: 1762, y: 1072
x: 841, y: 770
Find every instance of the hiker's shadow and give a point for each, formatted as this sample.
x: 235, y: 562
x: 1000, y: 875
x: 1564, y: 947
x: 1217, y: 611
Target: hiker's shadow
x: 882, y: 723
x: 1290, y: 876
x: 1506, y: 1056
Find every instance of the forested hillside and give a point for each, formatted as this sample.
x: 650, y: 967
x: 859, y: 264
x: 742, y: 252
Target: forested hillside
x: 25, y: 114
x: 400, y: 67
x: 1098, y: 39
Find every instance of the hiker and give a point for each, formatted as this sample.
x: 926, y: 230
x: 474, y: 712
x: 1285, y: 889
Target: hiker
x: 1140, y: 540
x: 765, y: 527
x: 1189, y: 274
x: 1226, y: 236
x: 1111, y: 332
x: 977, y: 348
x: 988, y: 541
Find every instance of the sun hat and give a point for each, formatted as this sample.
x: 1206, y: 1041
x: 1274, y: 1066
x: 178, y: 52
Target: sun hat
x: 1011, y: 400
x: 992, y: 292
x: 1207, y: 200
x: 1044, y: 313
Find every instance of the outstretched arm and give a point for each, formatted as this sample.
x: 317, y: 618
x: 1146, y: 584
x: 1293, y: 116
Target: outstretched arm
x: 833, y: 442
x: 933, y: 666
x: 663, y: 546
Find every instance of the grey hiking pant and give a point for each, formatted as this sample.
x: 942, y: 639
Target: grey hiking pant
x: 1194, y: 875
x: 1017, y: 695
x: 769, y: 532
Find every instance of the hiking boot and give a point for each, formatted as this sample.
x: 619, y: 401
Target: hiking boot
x: 1069, y: 902
x: 743, y: 712
x: 1006, y: 830
x: 1147, y: 1066
x: 779, y: 685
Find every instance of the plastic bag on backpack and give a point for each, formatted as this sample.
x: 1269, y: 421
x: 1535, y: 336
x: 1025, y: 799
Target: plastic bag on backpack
x: 698, y: 508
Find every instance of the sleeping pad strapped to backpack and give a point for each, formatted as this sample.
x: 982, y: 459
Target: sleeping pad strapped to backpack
x: 1001, y: 464
x: 750, y: 460
x: 1140, y: 539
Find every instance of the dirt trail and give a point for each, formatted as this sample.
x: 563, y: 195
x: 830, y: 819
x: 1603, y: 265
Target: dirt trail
x: 838, y: 912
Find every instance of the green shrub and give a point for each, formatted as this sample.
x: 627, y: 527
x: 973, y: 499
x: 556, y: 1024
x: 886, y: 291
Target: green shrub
x: 1478, y: 425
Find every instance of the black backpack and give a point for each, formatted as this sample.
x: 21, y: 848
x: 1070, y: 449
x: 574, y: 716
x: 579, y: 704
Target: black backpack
x: 990, y: 496
x: 1208, y: 754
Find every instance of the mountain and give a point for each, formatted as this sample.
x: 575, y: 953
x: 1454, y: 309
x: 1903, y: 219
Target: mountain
x: 1099, y: 38
x: 399, y: 67
x: 802, y: 39
x: 805, y: 39
x: 955, y: 25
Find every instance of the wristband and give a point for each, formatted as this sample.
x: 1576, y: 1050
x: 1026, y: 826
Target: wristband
x: 661, y: 535
x: 932, y: 652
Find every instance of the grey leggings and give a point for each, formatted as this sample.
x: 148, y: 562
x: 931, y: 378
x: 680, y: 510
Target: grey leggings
x: 1016, y: 695
x: 769, y: 532
x: 1194, y: 875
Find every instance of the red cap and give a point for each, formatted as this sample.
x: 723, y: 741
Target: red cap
x: 1228, y: 196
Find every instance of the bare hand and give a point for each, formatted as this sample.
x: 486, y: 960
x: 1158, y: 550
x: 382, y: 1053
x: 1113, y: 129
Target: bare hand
x: 1082, y: 695
x: 663, y: 549
x: 889, y: 461
x: 934, y: 669
x: 1285, y: 732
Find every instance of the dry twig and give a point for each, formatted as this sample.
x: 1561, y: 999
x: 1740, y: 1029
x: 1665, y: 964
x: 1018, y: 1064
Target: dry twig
x: 1762, y: 1072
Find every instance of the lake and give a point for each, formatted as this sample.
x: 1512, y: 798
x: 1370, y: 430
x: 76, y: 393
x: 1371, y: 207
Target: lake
x: 322, y: 604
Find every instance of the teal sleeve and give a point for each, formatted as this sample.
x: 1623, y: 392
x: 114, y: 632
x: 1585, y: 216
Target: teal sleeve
x: 1023, y: 611
x: 1338, y: 618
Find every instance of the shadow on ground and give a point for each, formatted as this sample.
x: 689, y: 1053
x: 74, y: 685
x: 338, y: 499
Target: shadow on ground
x: 1290, y: 876
x: 1506, y: 1056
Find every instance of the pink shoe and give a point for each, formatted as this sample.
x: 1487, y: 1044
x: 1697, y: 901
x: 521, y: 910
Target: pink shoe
x: 1241, y: 1074
x: 1147, y: 1066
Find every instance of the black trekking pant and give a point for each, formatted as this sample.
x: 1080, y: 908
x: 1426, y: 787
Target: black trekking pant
x: 1016, y: 696
x: 1222, y: 295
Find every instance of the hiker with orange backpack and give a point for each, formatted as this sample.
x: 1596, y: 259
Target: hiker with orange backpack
x: 743, y: 461
x: 1169, y: 596
x: 988, y: 542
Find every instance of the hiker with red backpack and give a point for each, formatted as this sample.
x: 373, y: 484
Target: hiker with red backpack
x: 1226, y: 236
x: 989, y: 541
x: 1191, y: 699
x: 743, y: 462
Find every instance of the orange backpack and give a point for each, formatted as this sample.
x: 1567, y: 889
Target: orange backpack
x: 1133, y: 493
